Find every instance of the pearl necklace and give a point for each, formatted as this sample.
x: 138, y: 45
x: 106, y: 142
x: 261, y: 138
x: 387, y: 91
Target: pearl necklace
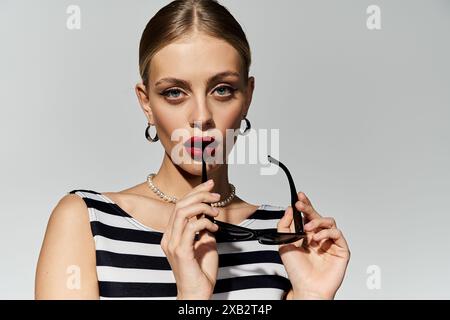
x: 173, y: 199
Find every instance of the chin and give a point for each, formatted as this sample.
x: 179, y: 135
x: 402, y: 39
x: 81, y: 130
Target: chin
x: 195, y: 167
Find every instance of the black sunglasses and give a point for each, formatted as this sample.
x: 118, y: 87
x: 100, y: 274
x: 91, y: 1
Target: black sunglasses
x: 233, y: 232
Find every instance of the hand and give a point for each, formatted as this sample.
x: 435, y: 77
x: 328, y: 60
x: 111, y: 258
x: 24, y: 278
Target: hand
x: 194, y: 263
x: 315, y: 265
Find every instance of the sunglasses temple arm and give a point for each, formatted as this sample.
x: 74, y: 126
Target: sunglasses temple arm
x: 204, y: 174
x: 298, y: 220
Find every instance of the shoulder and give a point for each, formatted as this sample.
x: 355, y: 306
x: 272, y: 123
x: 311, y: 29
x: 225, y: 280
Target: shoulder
x: 71, y: 208
x: 134, y: 201
x: 69, y: 219
x: 68, y: 243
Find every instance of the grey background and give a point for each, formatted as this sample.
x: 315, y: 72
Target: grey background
x: 363, y: 117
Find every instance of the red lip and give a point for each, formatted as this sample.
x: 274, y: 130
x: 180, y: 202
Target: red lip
x: 196, y: 142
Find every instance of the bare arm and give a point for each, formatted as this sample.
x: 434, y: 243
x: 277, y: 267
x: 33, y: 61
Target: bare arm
x: 66, y: 267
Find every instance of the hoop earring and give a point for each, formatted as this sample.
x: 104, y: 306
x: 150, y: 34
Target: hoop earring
x: 247, y: 128
x: 147, y: 135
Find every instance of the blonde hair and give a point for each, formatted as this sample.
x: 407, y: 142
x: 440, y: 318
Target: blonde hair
x: 179, y: 18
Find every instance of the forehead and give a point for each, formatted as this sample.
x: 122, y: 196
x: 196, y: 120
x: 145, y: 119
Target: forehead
x: 198, y: 55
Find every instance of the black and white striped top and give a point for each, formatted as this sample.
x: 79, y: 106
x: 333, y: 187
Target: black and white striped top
x: 132, y: 265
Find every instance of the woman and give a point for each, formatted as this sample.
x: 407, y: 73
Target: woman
x: 151, y: 240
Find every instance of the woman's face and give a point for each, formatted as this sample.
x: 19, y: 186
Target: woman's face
x: 196, y: 88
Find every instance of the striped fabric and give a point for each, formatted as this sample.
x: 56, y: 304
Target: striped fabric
x: 132, y: 265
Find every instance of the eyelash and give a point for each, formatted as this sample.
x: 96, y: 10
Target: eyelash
x: 231, y: 89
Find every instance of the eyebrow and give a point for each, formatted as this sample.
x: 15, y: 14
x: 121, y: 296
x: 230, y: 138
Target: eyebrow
x: 180, y: 82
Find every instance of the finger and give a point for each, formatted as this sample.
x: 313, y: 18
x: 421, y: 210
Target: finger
x: 183, y: 215
x: 302, y: 197
x: 284, y: 224
x: 205, y: 248
x: 191, y: 228
x: 205, y: 236
x: 199, y: 196
x: 333, y: 234
x: 308, y: 211
x: 205, y: 196
x: 205, y: 186
x: 326, y: 222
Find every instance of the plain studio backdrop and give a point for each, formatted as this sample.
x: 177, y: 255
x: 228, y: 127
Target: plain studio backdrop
x: 363, y: 119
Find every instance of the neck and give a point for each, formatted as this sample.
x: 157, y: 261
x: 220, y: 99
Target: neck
x: 174, y: 181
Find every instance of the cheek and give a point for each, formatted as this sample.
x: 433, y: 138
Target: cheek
x: 231, y: 119
x: 168, y: 122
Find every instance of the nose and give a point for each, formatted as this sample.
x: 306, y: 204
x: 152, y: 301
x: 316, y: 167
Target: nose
x: 201, y: 117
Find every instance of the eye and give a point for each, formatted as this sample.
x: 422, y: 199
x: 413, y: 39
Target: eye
x: 172, y: 93
x: 223, y: 90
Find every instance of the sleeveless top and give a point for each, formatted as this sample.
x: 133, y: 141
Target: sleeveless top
x: 131, y: 264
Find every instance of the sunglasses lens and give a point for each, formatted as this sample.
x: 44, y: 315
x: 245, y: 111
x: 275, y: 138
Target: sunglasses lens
x: 279, y: 238
x: 230, y: 233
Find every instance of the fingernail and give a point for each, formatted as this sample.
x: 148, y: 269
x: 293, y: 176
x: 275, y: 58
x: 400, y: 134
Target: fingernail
x: 210, y: 181
x: 217, y: 195
x: 216, y: 209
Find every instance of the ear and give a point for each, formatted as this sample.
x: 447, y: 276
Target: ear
x: 249, y: 94
x: 144, y: 101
